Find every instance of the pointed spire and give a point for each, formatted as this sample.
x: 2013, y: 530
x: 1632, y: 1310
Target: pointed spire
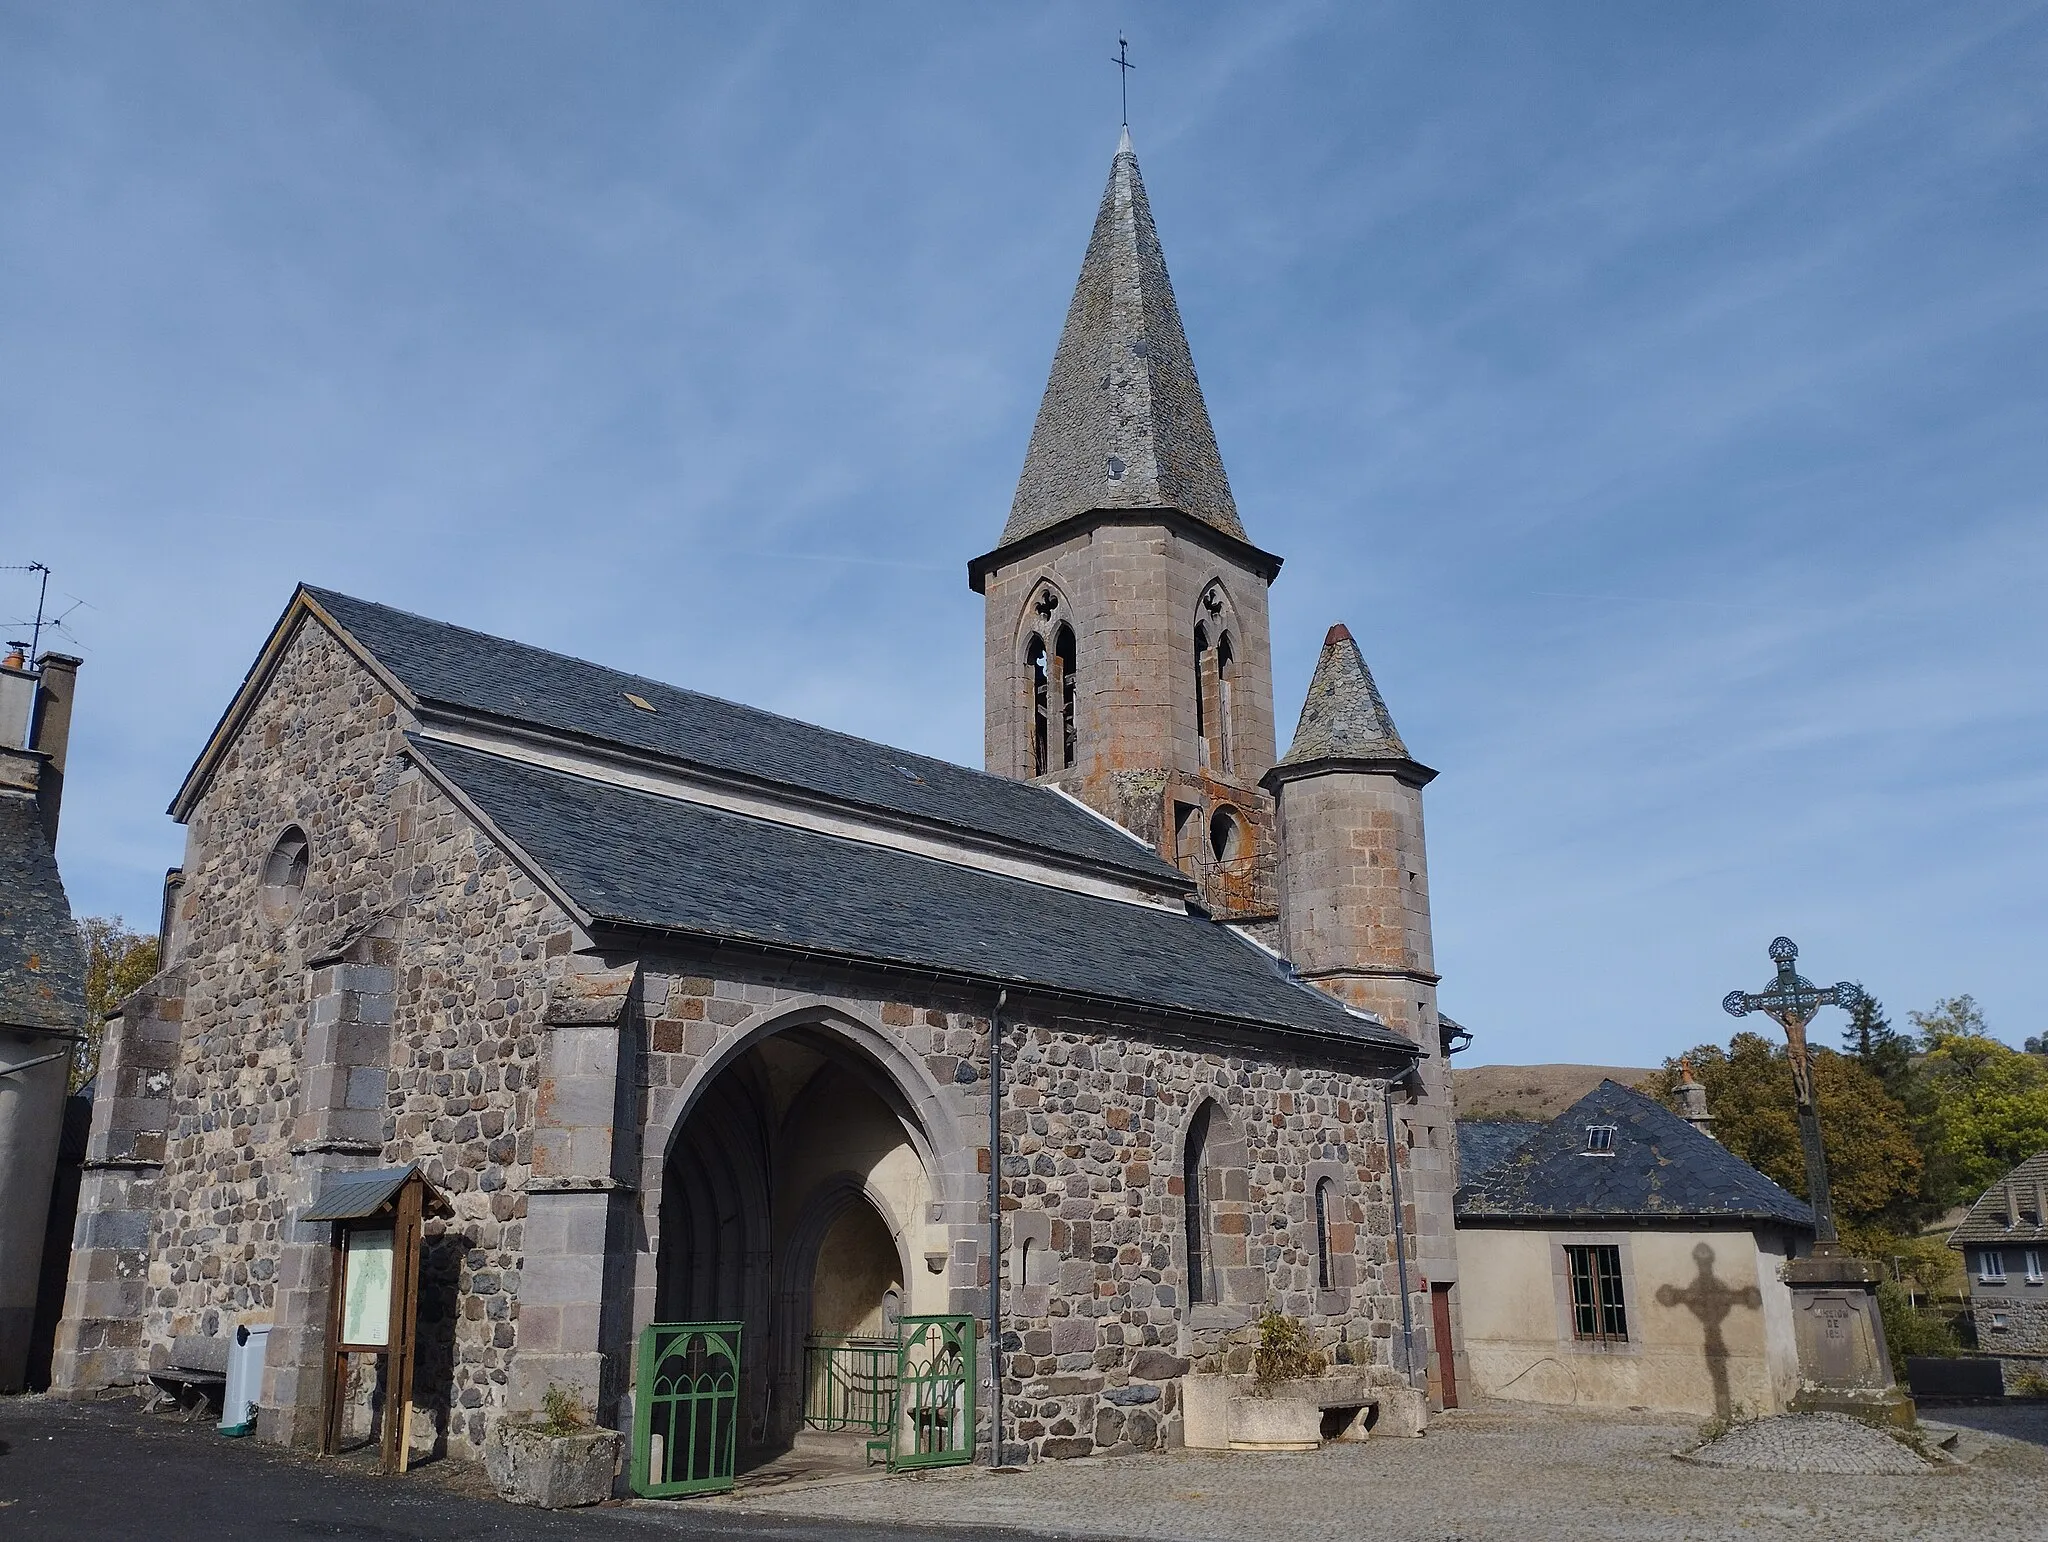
x: 1122, y: 424
x: 1343, y: 717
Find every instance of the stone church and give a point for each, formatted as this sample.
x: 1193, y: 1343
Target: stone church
x: 689, y: 1009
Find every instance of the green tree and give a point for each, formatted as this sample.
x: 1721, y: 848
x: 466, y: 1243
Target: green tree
x: 1873, y: 1163
x: 1988, y: 1103
x: 1948, y: 1017
x: 1878, y: 1047
x: 117, y: 962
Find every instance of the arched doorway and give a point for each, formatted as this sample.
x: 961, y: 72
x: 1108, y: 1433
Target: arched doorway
x: 794, y: 1198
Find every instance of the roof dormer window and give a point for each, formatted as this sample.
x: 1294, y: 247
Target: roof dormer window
x: 1599, y: 1140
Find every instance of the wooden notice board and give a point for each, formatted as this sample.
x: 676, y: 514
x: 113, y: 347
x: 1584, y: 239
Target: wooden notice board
x: 373, y: 1303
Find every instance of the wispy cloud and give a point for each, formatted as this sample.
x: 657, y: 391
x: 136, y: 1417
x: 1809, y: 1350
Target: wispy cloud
x: 1657, y: 393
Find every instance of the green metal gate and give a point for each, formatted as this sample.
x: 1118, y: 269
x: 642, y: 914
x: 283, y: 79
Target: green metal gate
x: 686, y: 1409
x: 850, y: 1384
x: 934, y: 1424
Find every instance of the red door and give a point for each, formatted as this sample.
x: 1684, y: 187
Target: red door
x: 1440, y: 1336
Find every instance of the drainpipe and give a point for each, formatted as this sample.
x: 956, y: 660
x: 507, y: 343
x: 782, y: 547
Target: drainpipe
x: 1406, y: 1080
x: 995, y: 1227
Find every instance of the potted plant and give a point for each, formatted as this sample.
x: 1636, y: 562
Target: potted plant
x: 1268, y: 1419
x: 557, y: 1461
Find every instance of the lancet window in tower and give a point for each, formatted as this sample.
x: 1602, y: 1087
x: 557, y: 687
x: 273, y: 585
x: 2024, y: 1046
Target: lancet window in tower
x: 1202, y: 661
x: 1063, y: 664
x: 1036, y: 662
x: 1226, y: 676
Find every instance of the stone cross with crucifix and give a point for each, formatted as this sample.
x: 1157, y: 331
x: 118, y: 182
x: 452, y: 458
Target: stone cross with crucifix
x: 1792, y: 1000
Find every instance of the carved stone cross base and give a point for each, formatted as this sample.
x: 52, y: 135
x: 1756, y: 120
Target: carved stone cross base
x: 1843, y: 1363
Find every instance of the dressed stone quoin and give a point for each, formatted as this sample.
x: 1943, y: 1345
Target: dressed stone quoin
x: 688, y: 1010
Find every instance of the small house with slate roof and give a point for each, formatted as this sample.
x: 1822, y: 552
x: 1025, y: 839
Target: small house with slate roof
x: 1617, y: 1255
x: 701, y: 1015
x: 2004, y: 1243
x: 42, y: 982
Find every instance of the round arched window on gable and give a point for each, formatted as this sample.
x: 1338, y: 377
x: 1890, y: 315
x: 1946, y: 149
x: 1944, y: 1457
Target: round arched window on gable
x: 284, y: 875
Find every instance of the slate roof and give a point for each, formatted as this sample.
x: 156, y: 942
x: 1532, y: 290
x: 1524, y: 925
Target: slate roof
x: 640, y: 860
x: 1122, y: 424
x: 1486, y: 1143
x: 42, y: 968
x: 1662, y: 1169
x: 1986, y: 1220
x: 357, y: 1196
x: 1343, y: 717
x: 454, y: 667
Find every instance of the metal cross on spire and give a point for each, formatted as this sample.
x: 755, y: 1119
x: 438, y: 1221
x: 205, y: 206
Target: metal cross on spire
x: 1122, y: 61
x: 1792, y: 1000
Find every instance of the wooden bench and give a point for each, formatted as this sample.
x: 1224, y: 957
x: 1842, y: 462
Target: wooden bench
x: 195, y: 1376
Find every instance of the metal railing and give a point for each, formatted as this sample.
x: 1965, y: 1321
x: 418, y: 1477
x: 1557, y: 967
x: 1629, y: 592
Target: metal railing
x: 1242, y: 886
x: 849, y: 1383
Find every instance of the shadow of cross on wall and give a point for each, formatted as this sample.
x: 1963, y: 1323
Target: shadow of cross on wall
x: 1711, y: 1301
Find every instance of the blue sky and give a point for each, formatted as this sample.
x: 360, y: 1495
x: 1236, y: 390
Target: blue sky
x: 1659, y: 392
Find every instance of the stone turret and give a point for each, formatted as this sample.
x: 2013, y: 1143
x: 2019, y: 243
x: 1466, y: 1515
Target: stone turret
x: 1354, y: 880
x: 1354, y: 907
x: 1127, y: 655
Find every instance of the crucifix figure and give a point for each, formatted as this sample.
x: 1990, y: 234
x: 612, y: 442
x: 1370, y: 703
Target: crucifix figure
x: 1122, y: 61
x: 1792, y: 999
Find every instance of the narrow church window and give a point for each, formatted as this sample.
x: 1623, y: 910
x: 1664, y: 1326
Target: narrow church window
x: 1195, y: 1203
x: 1226, y: 677
x: 1598, y: 1315
x: 284, y: 875
x: 1035, y: 661
x: 1226, y: 836
x: 1202, y: 692
x: 1323, y: 1234
x: 1063, y: 658
x: 1187, y: 836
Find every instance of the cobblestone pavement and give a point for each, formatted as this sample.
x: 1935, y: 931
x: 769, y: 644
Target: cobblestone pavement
x: 1496, y: 1473
x: 1826, y: 1442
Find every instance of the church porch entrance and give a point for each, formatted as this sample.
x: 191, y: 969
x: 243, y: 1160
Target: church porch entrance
x: 796, y: 1208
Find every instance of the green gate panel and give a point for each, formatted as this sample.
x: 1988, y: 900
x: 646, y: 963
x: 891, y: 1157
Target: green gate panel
x: 850, y: 1383
x: 934, y: 1424
x: 686, y: 1409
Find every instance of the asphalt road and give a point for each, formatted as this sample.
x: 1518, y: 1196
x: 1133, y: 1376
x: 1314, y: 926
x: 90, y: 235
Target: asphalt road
x: 100, y: 1471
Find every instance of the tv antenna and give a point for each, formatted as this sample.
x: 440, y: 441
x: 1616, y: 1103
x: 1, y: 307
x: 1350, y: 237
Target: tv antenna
x: 44, y: 621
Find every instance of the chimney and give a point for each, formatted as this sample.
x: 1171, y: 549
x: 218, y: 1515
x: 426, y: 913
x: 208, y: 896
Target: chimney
x: 2041, y: 1203
x: 17, y: 701
x: 57, y: 678
x: 1692, y: 1101
x: 2012, y: 1204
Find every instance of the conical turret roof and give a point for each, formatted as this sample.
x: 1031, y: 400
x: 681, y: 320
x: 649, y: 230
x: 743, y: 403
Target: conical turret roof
x: 1344, y: 717
x: 1122, y: 424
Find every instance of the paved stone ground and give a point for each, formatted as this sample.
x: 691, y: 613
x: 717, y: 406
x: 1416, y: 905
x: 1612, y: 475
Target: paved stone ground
x: 70, y: 1472
x: 1502, y: 1472
x: 1825, y: 1442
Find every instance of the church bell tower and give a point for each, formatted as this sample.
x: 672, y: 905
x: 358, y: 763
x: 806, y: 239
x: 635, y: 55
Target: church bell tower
x: 1127, y: 650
